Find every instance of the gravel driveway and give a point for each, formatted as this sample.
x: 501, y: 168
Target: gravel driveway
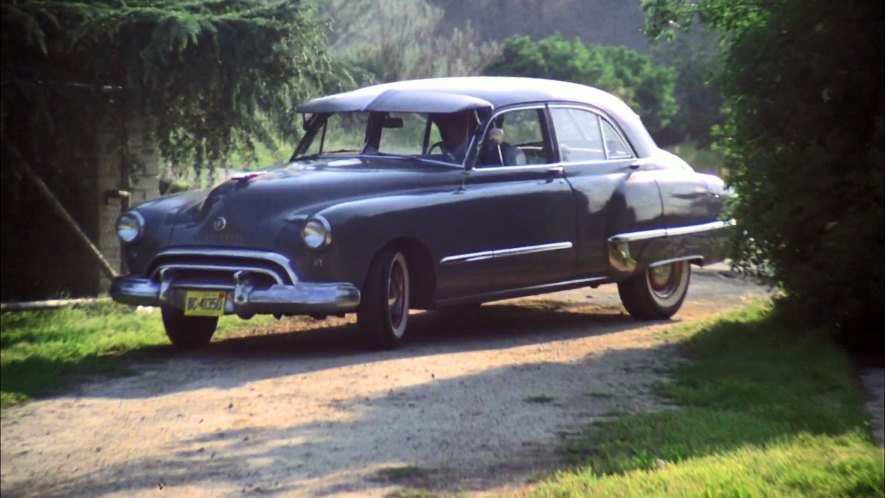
x: 471, y: 404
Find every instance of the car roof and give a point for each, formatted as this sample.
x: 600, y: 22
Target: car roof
x: 495, y: 90
x: 430, y: 95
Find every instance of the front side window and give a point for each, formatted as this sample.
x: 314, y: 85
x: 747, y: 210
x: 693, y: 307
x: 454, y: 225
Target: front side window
x: 515, y: 138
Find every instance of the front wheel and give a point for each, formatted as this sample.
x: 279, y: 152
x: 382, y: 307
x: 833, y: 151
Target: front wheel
x: 657, y: 293
x: 384, y: 308
x: 188, y: 332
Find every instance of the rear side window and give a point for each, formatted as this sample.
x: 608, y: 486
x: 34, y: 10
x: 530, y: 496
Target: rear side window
x: 578, y: 134
x: 615, y: 146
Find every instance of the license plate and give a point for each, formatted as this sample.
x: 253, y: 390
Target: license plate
x: 204, y: 303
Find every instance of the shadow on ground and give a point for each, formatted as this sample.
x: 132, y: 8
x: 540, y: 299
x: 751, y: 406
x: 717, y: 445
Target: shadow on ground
x: 314, y: 345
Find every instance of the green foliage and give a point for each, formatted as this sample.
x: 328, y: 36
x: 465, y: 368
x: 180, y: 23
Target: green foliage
x: 763, y: 410
x: 695, y: 58
x: 803, y: 84
x: 205, y: 79
x: 646, y: 88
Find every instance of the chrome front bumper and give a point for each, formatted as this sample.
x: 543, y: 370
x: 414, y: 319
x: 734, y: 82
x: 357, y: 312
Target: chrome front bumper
x: 244, y: 299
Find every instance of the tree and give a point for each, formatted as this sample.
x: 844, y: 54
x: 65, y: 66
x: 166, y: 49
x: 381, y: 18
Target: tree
x: 803, y: 88
x: 646, y: 88
x: 404, y: 39
x: 83, y: 82
x: 212, y: 77
x: 695, y: 58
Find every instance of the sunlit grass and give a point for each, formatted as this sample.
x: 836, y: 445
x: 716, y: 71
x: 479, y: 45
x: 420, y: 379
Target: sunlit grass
x: 802, y: 465
x: 764, y: 410
x: 39, y: 350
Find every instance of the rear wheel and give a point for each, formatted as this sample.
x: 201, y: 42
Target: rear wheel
x: 384, y: 308
x: 657, y: 293
x: 188, y: 332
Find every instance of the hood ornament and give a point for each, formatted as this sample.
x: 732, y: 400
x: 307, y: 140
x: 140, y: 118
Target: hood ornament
x: 246, y: 176
x: 219, y: 224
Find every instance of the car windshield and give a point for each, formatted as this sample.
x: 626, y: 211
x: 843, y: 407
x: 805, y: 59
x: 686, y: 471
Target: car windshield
x: 434, y: 136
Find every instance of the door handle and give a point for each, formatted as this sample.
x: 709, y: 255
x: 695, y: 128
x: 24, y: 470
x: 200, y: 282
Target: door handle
x: 555, y: 171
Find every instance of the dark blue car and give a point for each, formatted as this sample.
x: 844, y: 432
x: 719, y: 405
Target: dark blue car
x: 426, y: 194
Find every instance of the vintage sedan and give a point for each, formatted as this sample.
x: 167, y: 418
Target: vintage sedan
x: 428, y: 194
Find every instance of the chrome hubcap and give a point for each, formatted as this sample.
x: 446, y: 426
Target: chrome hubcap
x: 664, y: 280
x: 396, y: 295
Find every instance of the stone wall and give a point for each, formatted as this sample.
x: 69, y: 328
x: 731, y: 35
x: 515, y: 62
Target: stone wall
x: 142, y: 163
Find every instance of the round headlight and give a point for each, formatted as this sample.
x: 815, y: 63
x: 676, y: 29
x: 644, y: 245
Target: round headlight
x: 317, y: 233
x: 130, y: 226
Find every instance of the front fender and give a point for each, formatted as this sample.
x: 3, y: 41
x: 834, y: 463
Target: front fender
x: 160, y: 216
x: 361, y: 228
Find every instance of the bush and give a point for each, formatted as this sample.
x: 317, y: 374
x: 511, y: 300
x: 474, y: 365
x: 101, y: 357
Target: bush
x: 805, y: 148
x: 803, y: 88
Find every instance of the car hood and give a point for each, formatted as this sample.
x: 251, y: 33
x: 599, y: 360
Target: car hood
x: 249, y: 210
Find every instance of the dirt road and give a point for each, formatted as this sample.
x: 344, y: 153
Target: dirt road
x: 471, y: 404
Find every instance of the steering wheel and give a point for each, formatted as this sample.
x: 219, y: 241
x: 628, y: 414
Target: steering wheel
x: 442, y: 150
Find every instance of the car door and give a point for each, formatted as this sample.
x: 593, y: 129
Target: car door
x: 523, y: 201
x: 611, y: 195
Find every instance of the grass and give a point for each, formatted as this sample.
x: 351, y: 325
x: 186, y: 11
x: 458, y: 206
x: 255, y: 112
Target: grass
x: 42, y: 350
x: 765, y: 410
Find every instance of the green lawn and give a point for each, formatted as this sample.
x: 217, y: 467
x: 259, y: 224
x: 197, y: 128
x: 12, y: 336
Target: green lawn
x: 39, y: 350
x: 764, y: 410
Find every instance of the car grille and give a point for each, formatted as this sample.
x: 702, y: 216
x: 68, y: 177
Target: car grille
x: 216, y: 268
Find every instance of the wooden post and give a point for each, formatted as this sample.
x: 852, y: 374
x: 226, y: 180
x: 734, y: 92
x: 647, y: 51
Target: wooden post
x: 106, y: 267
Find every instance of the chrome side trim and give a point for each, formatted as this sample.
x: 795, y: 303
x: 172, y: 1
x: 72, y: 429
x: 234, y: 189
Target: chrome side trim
x: 519, y: 251
x: 673, y: 232
x: 272, y: 257
x: 658, y: 233
x: 664, y: 262
x: 503, y: 253
x: 670, y: 232
x: 467, y: 258
x: 622, y: 261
